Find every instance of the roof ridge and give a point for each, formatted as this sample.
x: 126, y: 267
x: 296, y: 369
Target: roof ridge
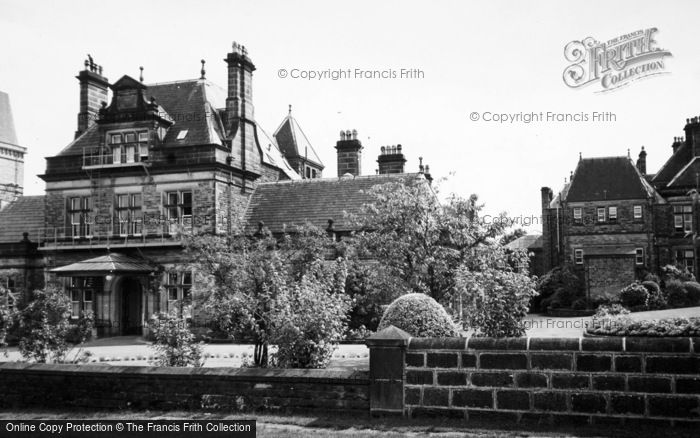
x: 339, y: 178
x: 182, y: 81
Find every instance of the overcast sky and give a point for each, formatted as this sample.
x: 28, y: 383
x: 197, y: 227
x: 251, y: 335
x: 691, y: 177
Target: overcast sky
x: 489, y: 56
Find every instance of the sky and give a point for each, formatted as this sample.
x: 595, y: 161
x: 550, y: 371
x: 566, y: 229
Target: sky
x: 483, y: 57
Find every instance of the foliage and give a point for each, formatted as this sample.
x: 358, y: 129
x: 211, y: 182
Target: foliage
x: 419, y: 315
x: 671, y: 272
x: 692, y: 290
x: 174, y: 343
x: 558, y: 288
x: 44, y: 326
x: 579, y: 304
x: 634, y: 295
x: 512, y: 236
x: 81, y: 331
x: 495, y: 296
x: 419, y: 242
x: 657, y: 300
x: 606, y: 311
x: 667, y: 327
x: 370, y: 291
x: 675, y: 292
x: 5, y: 323
x: 310, y: 317
x: 244, y: 279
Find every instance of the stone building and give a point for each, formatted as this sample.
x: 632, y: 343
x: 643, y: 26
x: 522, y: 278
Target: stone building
x: 11, y: 156
x: 614, y: 222
x: 152, y: 163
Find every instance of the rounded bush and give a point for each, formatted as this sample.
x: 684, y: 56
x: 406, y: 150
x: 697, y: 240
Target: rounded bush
x: 676, y: 294
x: 634, y: 295
x: 692, y: 290
x: 419, y: 315
x: 656, y: 300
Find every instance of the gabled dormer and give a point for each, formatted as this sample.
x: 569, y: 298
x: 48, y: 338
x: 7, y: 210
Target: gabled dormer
x: 129, y: 128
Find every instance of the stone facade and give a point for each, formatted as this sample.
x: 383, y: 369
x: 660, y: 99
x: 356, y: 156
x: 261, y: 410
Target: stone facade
x: 11, y: 156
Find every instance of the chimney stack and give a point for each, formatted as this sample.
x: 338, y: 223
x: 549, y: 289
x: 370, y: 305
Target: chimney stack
x: 93, y: 91
x: 642, y: 162
x: 349, y: 153
x: 239, y: 99
x: 677, y: 142
x: 692, y: 135
x: 391, y: 160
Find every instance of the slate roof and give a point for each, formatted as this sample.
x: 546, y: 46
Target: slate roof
x: 191, y: 104
x: 675, y: 164
x: 7, y: 125
x: 26, y: 214
x: 529, y: 241
x: 293, y: 142
x: 194, y: 105
x: 607, y: 178
x: 292, y: 203
x: 113, y: 262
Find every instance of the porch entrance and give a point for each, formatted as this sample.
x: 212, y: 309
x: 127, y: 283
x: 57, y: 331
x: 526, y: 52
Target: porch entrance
x: 131, y: 307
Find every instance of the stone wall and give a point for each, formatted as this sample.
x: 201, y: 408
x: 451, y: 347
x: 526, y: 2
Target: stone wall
x: 554, y: 380
x: 230, y: 389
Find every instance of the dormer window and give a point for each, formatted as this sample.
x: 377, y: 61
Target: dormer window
x: 129, y: 146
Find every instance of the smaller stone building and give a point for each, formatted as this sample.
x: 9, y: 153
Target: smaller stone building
x: 614, y: 222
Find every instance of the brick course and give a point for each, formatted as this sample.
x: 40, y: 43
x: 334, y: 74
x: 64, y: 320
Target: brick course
x: 588, y: 381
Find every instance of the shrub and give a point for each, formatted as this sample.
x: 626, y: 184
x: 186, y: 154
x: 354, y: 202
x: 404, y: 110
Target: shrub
x: 311, y: 317
x: 634, y: 295
x: 44, y: 326
x: 650, y: 277
x: 692, y: 290
x: 668, y: 327
x: 174, y: 343
x: 656, y: 300
x: 496, y: 300
x: 558, y: 288
x: 5, y: 323
x: 370, y: 289
x: 671, y: 272
x: 81, y: 331
x: 579, y: 304
x: 420, y: 316
x: 606, y: 311
x: 676, y: 294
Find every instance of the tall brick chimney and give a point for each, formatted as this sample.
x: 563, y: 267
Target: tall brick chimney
x: 239, y: 101
x: 692, y: 135
x: 642, y: 162
x: 391, y: 160
x: 93, y: 91
x: 349, y: 153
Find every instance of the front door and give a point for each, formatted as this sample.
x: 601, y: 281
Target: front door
x: 132, y: 321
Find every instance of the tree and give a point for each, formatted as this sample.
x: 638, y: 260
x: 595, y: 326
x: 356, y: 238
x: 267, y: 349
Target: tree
x: 512, y: 236
x: 311, y: 315
x: 174, y: 343
x: 44, y: 326
x: 495, y: 295
x: 419, y: 242
x: 246, y: 276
